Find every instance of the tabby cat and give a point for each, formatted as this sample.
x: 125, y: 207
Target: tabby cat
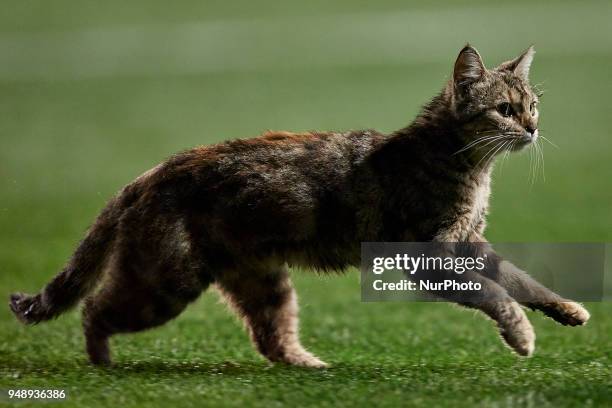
x: 236, y: 214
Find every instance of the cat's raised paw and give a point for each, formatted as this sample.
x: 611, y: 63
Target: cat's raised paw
x: 568, y: 313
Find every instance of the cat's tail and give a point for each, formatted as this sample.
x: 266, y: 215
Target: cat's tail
x: 77, y: 278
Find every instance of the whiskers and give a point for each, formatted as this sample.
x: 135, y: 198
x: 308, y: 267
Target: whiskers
x: 495, y: 141
x: 487, y: 138
x: 539, y: 89
x: 499, y: 146
x: 536, y: 161
x: 504, y: 142
x: 547, y: 140
x: 507, y: 153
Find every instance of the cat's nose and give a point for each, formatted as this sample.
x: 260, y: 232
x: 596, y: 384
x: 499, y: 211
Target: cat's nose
x: 531, y: 130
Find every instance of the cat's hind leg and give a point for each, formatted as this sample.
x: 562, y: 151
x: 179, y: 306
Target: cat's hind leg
x: 267, y: 302
x: 138, y: 295
x: 116, y: 310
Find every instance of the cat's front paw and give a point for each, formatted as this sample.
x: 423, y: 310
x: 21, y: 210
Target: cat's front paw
x: 516, y: 330
x: 567, y: 313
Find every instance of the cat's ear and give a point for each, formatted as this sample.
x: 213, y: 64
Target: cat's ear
x: 520, y: 65
x: 468, y: 67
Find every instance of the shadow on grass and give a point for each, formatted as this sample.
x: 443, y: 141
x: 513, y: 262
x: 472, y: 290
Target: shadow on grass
x: 370, y: 371
x: 160, y: 368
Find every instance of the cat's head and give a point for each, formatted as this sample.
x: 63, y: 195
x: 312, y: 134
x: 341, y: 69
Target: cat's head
x: 497, y: 108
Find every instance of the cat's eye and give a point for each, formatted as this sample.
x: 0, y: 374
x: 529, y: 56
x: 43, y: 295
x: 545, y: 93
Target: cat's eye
x: 505, y: 109
x: 532, y: 108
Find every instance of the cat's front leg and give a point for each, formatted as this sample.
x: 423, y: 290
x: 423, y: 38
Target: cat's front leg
x: 492, y: 299
x: 536, y: 296
x: 527, y: 290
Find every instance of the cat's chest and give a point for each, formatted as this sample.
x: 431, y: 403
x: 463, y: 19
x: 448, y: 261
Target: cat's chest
x: 480, y: 204
x: 469, y: 213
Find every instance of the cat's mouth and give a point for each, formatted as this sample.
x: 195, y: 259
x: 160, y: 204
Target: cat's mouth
x: 524, y: 140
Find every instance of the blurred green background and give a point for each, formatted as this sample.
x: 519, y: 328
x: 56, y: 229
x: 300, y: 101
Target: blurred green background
x: 94, y: 93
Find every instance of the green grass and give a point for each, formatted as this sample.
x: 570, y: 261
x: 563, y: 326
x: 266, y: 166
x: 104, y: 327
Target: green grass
x: 67, y: 143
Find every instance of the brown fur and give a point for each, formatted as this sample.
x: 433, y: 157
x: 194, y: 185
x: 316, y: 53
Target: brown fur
x: 236, y: 213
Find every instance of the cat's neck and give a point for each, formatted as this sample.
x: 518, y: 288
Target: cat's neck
x: 436, y: 129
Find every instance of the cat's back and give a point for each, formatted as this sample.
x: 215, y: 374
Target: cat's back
x: 280, y: 183
x: 276, y: 159
x: 308, y: 152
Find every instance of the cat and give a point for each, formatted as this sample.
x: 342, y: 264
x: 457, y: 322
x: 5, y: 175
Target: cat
x: 236, y: 214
